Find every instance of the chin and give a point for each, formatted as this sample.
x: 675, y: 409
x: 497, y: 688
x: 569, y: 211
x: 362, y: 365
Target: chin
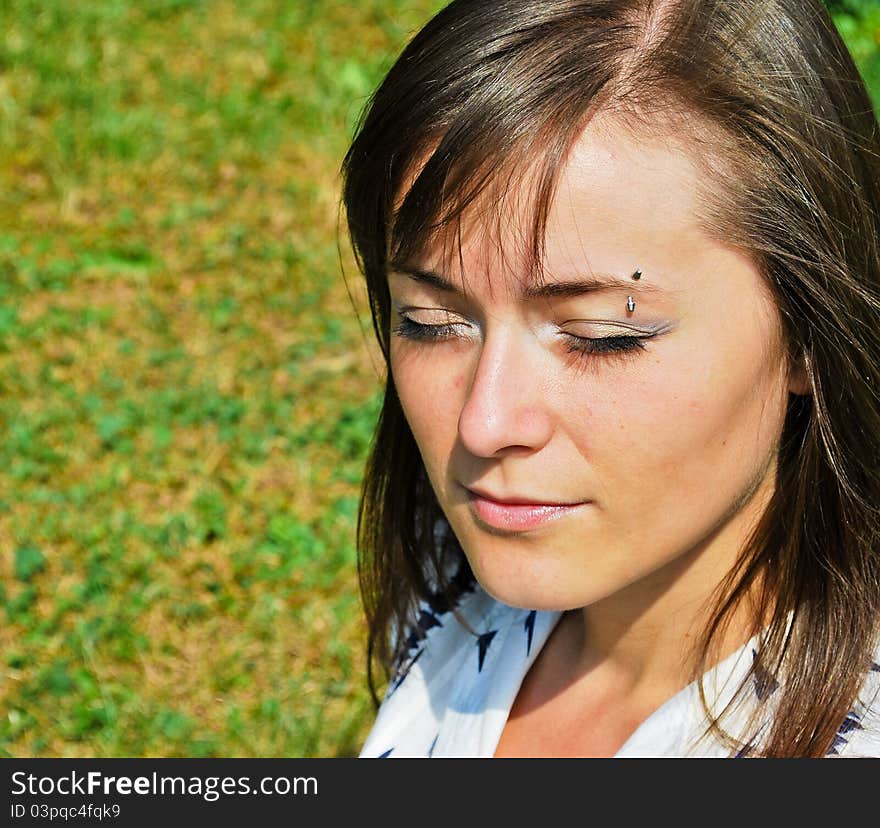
x: 533, y: 591
x: 517, y: 571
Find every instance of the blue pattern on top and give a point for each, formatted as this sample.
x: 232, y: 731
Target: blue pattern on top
x: 437, y: 604
x: 839, y: 742
x: 530, y: 629
x: 765, y: 683
x: 850, y: 723
x: 427, y: 620
x: 404, y: 672
x: 483, y: 643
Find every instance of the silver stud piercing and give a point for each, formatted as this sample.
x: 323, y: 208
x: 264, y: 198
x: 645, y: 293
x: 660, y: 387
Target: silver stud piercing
x: 630, y: 304
x: 637, y: 275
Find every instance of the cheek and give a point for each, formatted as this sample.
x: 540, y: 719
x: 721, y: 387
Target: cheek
x: 680, y: 419
x: 431, y: 394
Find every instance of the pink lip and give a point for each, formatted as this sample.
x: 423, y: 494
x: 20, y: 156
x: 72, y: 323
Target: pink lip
x: 517, y: 515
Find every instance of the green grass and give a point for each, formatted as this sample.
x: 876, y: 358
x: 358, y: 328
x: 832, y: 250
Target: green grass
x: 859, y: 23
x: 186, y: 395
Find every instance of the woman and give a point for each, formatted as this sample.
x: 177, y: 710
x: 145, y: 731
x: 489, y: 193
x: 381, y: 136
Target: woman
x: 623, y: 264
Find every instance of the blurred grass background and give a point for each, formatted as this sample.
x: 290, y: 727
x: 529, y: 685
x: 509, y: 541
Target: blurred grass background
x: 186, y: 394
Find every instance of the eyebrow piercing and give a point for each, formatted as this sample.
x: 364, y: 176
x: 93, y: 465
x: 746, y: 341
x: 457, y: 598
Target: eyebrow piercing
x: 630, y: 302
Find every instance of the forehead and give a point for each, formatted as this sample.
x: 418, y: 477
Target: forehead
x: 622, y: 202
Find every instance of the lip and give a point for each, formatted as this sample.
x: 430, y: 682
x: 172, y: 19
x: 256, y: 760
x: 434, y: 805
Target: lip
x: 517, y: 514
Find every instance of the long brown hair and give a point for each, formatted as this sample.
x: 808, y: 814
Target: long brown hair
x: 767, y: 95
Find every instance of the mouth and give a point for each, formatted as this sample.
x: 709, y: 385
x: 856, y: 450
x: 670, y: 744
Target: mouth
x: 517, y: 514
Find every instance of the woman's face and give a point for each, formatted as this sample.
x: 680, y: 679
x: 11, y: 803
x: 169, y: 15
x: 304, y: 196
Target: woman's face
x: 578, y: 447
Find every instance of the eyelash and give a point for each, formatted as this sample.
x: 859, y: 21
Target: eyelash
x: 423, y: 333
x: 608, y: 346
x: 605, y: 345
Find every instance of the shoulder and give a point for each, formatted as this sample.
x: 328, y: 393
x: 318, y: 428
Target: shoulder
x: 859, y: 735
x: 431, y: 668
x: 444, y: 629
x: 455, y: 671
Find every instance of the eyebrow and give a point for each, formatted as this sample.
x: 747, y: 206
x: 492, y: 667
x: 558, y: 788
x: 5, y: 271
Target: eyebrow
x: 550, y: 290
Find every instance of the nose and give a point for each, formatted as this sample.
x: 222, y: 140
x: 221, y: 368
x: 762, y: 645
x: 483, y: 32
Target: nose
x: 506, y: 406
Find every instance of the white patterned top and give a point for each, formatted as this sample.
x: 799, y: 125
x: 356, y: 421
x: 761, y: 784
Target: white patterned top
x: 454, y: 688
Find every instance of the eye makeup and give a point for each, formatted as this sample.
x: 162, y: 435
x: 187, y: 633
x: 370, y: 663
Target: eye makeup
x: 610, y: 345
x: 440, y: 323
x: 605, y: 345
x: 616, y: 337
x: 409, y: 329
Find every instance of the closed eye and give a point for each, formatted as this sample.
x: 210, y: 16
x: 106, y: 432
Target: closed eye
x: 604, y: 344
x: 409, y: 329
x: 617, y: 345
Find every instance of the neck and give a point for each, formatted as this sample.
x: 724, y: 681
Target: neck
x: 644, y: 640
